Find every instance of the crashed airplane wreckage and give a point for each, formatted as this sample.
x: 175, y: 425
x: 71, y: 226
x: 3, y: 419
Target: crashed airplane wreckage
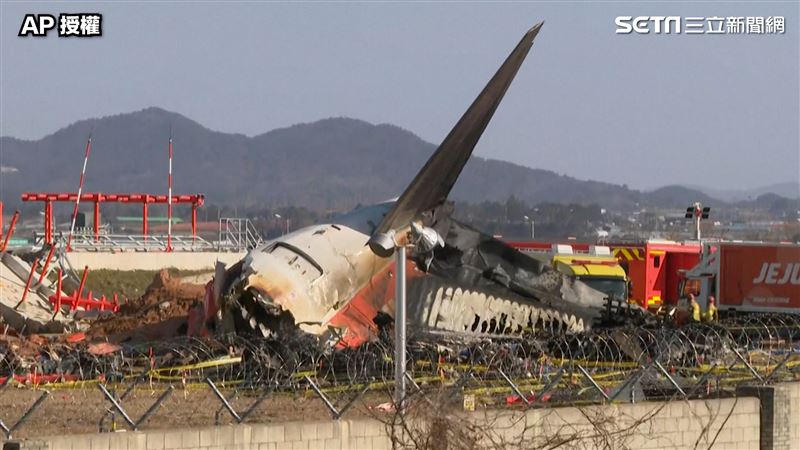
x: 337, y: 277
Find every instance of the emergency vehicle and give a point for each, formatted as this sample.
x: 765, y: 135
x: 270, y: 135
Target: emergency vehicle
x: 592, y: 264
x: 655, y: 269
x: 747, y: 277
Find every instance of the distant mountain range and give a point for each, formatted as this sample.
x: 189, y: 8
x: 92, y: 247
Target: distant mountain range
x: 331, y: 164
x: 787, y: 190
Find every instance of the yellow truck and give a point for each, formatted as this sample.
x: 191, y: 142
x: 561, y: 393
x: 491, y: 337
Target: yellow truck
x: 595, y: 266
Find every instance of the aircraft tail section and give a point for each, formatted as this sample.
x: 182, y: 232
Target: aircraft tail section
x: 433, y: 183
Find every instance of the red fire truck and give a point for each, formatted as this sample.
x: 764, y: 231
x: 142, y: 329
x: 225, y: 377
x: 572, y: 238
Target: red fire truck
x: 655, y: 268
x: 747, y: 276
x: 743, y: 276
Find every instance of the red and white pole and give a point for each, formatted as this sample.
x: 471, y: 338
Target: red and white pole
x: 80, y: 190
x: 169, y: 200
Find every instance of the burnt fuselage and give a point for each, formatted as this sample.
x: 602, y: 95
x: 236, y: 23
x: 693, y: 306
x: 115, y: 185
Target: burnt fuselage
x: 325, y: 277
x: 337, y: 277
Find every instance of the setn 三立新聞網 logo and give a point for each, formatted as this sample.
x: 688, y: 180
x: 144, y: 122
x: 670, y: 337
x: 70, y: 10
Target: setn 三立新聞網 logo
x: 700, y: 25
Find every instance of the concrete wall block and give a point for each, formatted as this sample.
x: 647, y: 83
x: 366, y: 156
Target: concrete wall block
x: 155, y: 440
x: 242, y: 435
x: 325, y: 430
x: 173, y: 440
x: 676, y: 409
x: 751, y: 433
x: 381, y: 443
x: 654, y: 425
x: 332, y: 444
x: 292, y: 432
x: 250, y: 446
x: 744, y: 420
x: 662, y: 441
x: 117, y: 441
x: 190, y: 439
x: 672, y: 440
x: 136, y: 440
x: 684, y: 423
x: 734, y: 434
x: 224, y: 435
x: 208, y: 437
x: 633, y: 410
x: 374, y: 428
x: 61, y: 442
x: 300, y: 445
x: 336, y: 429
x: 361, y: 443
x: 646, y: 442
x: 689, y: 437
x: 308, y: 431
x: 565, y: 415
x: 357, y: 428
x: 99, y: 441
x: 259, y: 433
x: 275, y: 433
x: 341, y: 430
x: 266, y: 433
x: 285, y: 445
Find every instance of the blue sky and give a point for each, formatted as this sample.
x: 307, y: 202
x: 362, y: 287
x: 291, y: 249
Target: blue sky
x: 643, y: 110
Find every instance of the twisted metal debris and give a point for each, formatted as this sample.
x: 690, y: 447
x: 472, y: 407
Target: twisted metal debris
x: 616, y: 364
x: 763, y: 341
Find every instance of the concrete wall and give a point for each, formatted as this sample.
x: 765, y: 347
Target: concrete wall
x: 779, y: 421
x: 152, y: 260
x: 794, y: 414
x: 676, y: 425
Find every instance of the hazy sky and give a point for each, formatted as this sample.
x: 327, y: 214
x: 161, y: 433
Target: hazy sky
x: 646, y: 110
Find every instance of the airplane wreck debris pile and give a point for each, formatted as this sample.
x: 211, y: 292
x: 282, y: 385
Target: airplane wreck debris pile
x: 282, y: 363
x: 29, y: 312
x: 162, y: 311
x: 38, y: 358
x: 317, y: 304
x: 324, y: 281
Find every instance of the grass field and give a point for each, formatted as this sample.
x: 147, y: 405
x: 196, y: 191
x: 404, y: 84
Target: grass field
x: 127, y: 283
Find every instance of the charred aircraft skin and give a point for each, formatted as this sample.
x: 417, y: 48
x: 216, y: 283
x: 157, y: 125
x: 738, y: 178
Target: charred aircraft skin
x: 325, y: 278
x: 338, y: 277
x: 309, y: 273
x: 501, y: 289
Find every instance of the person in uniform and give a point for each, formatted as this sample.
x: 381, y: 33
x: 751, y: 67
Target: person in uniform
x: 711, y: 312
x: 695, y: 308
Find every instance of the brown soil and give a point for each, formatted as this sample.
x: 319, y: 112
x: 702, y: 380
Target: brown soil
x: 160, y: 312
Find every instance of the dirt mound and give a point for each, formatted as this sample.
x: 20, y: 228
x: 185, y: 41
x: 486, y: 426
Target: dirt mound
x: 160, y: 312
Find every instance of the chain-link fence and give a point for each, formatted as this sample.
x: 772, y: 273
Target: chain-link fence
x: 191, y: 382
